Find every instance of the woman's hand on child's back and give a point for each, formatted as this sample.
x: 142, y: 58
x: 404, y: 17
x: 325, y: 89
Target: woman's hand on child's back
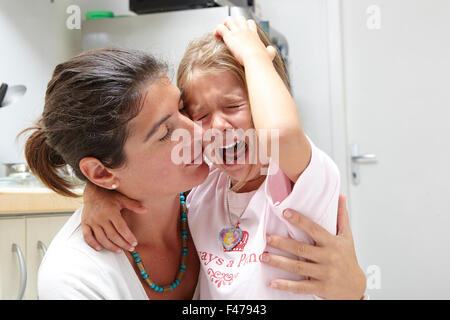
x: 102, y: 222
x: 242, y: 39
x: 331, y: 263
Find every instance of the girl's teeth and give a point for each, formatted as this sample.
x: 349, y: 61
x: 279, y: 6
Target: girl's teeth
x: 231, y: 154
x: 230, y: 146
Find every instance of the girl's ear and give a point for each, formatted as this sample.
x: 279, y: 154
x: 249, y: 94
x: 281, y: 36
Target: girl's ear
x: 98, y: 174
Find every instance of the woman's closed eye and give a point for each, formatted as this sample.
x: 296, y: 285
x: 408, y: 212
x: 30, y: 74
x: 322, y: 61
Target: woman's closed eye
x: 168, y: 134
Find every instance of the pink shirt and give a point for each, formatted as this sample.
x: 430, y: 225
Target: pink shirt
x: 239, y: 273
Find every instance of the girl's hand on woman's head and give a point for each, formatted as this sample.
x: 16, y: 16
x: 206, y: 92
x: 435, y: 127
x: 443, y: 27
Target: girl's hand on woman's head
x: 102, y: 222
x: 242, y: 39
x: 331, y: 263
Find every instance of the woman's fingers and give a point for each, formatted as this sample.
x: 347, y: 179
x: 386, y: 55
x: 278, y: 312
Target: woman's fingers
x: 302, y: 286
x: 343, y: 222
x: 104, y: 241
x: 89, y: 238
x: 297, y: 248
x: 303, y: 268
x: 320, y: 235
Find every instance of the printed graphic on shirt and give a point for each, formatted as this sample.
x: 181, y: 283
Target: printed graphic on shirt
x: 222, y: 271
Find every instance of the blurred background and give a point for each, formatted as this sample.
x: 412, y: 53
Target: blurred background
x: 371, y: 79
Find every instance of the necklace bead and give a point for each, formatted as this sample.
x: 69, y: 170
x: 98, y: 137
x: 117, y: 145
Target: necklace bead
x: 183, y: 260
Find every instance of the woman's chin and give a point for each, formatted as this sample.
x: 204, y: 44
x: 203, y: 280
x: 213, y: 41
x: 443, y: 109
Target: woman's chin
x: 197, y: 173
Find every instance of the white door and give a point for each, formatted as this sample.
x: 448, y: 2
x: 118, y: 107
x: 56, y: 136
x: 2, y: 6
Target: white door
x: 396, y: 71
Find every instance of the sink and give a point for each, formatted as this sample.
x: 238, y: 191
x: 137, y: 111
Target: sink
x: 28, y: 184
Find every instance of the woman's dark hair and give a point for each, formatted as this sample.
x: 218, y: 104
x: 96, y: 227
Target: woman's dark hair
x: 88, y: 104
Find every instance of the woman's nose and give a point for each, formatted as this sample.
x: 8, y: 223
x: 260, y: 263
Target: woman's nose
x: 195, y: 130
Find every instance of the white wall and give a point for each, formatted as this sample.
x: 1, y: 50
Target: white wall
x: 37, y: 39
x: 34, y: 39
x: 304, y: 24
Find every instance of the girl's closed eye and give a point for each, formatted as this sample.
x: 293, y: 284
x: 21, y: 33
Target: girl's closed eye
x: 234, y: 107
x: 200, y: 117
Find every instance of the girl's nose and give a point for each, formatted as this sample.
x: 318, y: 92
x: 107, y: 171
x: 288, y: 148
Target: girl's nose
x: 220, y: 123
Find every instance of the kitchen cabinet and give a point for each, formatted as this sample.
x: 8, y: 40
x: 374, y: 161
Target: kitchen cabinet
x: 25, y: 238
x: 12, y: 231
x: 39, y: 233
x: 28, y: 223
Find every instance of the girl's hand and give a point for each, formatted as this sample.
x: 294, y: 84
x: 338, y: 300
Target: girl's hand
x: 242, y: 39
x: 331, y: 264
x: 102, y: 222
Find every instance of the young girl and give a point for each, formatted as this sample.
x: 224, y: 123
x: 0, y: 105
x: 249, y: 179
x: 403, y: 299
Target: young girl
x: 237, y: 206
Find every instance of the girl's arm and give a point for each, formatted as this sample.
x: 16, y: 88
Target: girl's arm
x: 102, y: 223
x: 272, y: 106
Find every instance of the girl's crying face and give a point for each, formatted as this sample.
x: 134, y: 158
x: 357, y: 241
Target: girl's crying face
x: 218, y: 101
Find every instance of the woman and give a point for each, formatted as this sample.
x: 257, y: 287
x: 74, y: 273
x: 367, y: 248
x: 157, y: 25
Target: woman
x: 106, y: 115
x: 272, y: 258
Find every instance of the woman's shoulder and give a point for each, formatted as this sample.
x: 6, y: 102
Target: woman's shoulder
x: 69, y: 241
x: 71, y: 269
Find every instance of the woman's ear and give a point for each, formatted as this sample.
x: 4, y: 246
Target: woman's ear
x: 98, y: 174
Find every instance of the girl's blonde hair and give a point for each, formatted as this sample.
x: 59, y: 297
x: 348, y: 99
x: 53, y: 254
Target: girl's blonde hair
x: 209, y: 54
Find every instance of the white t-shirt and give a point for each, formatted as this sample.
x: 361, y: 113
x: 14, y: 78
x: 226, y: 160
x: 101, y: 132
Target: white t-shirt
x: 239, y: 273
x: 72, y: 270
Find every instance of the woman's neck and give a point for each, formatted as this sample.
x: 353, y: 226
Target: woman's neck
x: 160, y: 225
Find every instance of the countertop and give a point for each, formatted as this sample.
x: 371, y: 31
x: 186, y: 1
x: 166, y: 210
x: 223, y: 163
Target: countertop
x: 36, y: 200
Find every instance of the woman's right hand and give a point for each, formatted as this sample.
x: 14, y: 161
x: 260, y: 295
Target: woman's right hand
x: 102, y: 222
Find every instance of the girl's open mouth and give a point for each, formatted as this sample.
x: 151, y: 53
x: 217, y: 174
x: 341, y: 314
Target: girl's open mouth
x: 233, y: 152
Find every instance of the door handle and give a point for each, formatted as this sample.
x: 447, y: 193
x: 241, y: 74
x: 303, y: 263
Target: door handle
x: 357, y: 159
x: 372, y: 157
x: 41, y: 245
x: 23, y: 270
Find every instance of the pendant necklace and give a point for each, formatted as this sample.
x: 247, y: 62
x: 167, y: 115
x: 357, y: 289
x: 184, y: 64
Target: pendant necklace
x: 230, y: 237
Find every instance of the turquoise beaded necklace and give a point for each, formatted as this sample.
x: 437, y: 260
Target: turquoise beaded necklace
x: 184, y: 251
